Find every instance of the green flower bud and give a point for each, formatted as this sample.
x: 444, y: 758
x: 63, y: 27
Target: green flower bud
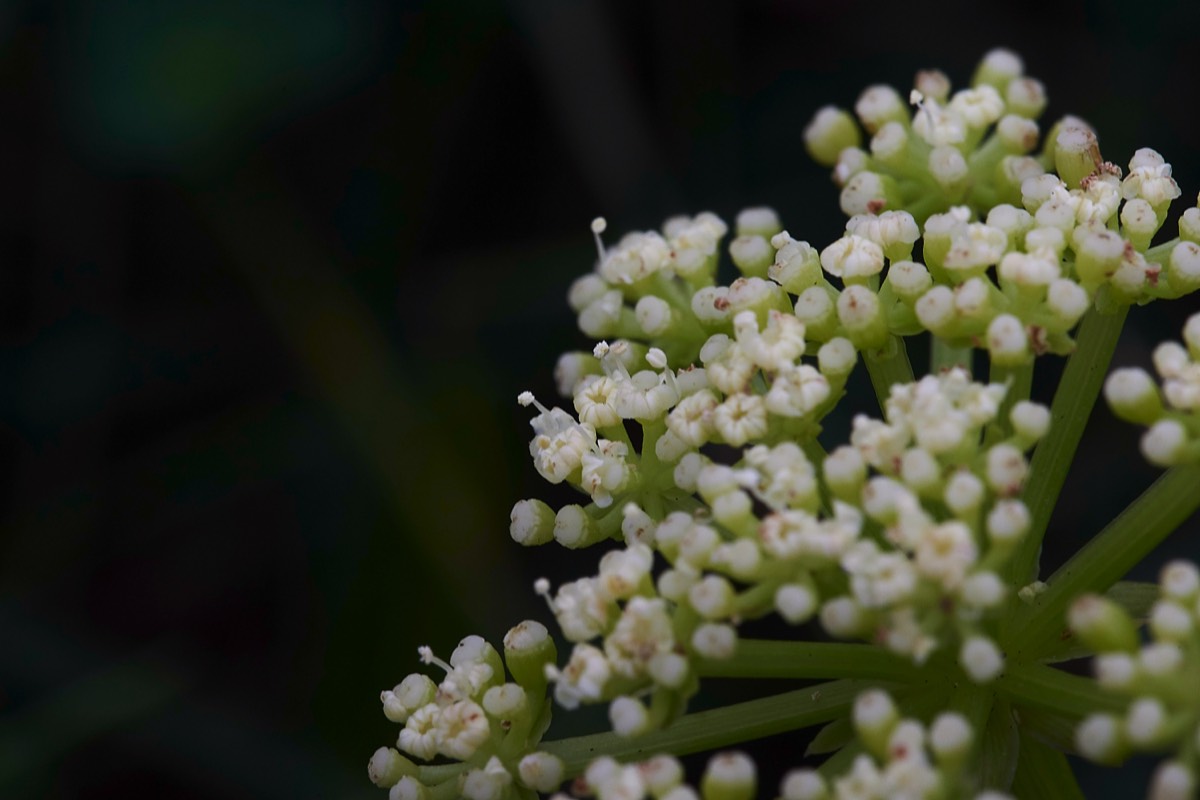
x: 831, y: 131
x: 387, y: 766
x: 1102, y: 625
x: 729, y: 776
x: 528, y: 648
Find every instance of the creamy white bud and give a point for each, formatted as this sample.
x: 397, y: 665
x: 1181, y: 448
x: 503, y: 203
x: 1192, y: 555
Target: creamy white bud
x: 1164, y: 443
x: 842, y: 617
x: 1180, y: 580
x: 950, y: 736
x: 947, y: 166
x: 1161, y: 658
x: 628, y: 717
x: 1115, y: 670
x: 1067, y: 300
x: 1145, y: 721
x: 983, y: 590
x: 542, y: 772
x: 1173, y: 780
x: 1171, y: 621
x: 1099, y: 737
x: 1030, y: 420
x: 909, y: 279
x: 964, y: 492
x: 830, y: 132
x: 729, y: 776
x: 1007, y: 341
x: 1006, y: 471
x: 795, y: 602
x: 981, y: 659
x: 714, y: 640
x: 758, y: 221
x: 803, y: 784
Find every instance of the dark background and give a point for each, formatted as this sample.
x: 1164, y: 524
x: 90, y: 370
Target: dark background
x: 272, y: 274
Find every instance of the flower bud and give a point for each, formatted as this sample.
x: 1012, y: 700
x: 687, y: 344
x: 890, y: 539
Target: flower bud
x: 528, y: 648
x: 715, y: 641
x: 803, y: 784
x: 729, y: 776
x: 950, y: 738
x: 531, y: 522
x: 1173, y: 780
x: 1076, y: 154
x: 387, y: 767
x: 1146, y: 722
x: 408, y: 788
x: 628, y: 717
x: 981, y: 659
x: 1165, y: 443
x: 874, y: 718
x: 830, y: 132
x: 573, y: 528
x: 1008, y: 344
x: 998, y: 69
x: 541, y: 772
x: 860, y: 312
x: 1102, y: 625
x: 752, y: 254
x: 1133, y: 396
x: 759, y: 221
x: 1099, y: 738
x: 1183, y: 266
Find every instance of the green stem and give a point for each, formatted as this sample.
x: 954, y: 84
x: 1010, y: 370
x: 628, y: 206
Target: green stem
x: 1041, y: 687
x: 1107, y: 557
x: 1043, y: 773
x: 707, y: 730
x: 1073, y: 402
x: 886, y: 366
x: 943, y: 356
x: 757, y: 658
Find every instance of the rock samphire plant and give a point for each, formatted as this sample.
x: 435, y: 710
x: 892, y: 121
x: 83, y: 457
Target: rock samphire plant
x: 903, y: 561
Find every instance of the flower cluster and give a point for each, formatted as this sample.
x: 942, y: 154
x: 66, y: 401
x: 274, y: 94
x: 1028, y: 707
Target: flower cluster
x: 1158, y: 677
x: 691, y: 435
x: 903, y: 758
x: 729, y: 776
x: 475, y: 717
x: 1173, y: 431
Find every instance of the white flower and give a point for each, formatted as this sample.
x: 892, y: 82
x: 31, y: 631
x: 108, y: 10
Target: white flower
x: 692, y: 419
x: 593, y: 401
x: 978, y: 107
x: 852, y: 257
x: 636, y: 256
x: 421, y: 736
x: 797, y: 391
x: 581, y: 609
x: 777, y: 346
x: 642, y: 632
x: 974, y: 247
x: 559, y: 444
x: 583, y: 679
x: 947, y: 553
x: 741, y: 418
x: 623, y: 571
x: 1150, y: 182
x: 938, y: 125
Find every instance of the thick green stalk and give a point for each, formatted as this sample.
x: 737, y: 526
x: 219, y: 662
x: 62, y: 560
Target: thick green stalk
x: 1106, y: 558
x: 1043, y: 773
x: 886, y: 366
x: 1041, y: 687
x: 756, y: 658
x: 1073, y: 402
x: 707, y: 730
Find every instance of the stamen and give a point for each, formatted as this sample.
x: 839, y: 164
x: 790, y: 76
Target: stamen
x: 427, y: 657
x: 599, y: 224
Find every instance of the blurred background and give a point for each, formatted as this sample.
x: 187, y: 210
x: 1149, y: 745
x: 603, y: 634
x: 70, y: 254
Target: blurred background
x: 272, y: 275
